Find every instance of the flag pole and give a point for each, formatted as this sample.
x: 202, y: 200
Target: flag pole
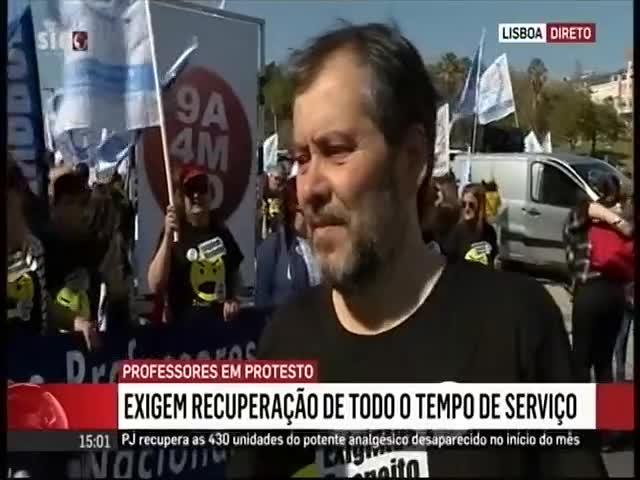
x: 475, y: 109
x: 515, y: 113
x: 475, y: 128
x: 163, y: 128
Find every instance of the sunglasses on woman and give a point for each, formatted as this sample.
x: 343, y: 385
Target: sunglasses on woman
x: 472, y: 205
x: 198, y: 186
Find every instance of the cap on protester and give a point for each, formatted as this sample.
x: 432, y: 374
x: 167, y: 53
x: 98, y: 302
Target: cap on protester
x: 189, y: 172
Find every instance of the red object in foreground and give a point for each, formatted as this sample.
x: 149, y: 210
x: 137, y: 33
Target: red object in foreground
x: 615, y: 406
x: 62, y: 407
x: 31, y: 407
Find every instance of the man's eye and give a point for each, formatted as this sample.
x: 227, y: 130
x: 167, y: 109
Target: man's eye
x: 337, y: 150
x: 301, y: 159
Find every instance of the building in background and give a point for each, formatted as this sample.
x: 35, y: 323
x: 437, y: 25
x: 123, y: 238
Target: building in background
x: 616, y: 88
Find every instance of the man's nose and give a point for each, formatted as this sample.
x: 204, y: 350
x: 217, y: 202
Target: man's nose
x: 313, y: 186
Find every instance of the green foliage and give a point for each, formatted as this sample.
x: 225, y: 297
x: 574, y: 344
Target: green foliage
x: 278, y: 93
x: 563, y: 108
x: 450, y: 72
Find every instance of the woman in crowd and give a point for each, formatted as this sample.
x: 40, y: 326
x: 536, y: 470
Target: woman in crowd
x: 473, y: 238
x: 200, y: 273
x: 285, y: 264
x: 598, y: 295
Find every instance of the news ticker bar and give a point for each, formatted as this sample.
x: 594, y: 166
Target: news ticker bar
x: 79, y: 442
x: 61, y: 441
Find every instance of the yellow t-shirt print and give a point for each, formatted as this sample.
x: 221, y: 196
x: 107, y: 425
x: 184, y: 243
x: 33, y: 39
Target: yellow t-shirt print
x: 208, y: 279
x: 20, y: 293
x: 479, y: 252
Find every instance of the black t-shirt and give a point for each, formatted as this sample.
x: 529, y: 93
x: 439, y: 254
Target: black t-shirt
x: 516, y: 336
x: 204, y: 265
x: 466, y: 243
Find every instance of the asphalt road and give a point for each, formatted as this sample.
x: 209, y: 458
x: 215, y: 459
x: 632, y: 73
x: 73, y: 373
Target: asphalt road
x: 620, y: 464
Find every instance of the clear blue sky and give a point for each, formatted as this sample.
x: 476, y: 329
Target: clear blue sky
x: 437, y: 26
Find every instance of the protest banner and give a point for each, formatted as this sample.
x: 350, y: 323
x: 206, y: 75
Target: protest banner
x: 211, y: 116
x: 25, y: 136
x: 64, y: 359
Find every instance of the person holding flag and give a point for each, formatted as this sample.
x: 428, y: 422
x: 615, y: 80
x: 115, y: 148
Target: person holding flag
x: 200, y: 272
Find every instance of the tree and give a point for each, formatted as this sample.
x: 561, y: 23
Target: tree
x: 567, y: 109
x: 450, y: 71
x: 278, y: 94
x: 610, y: 126
x: 600, y: 122
x: 537, y: 73
x: 523, y: 99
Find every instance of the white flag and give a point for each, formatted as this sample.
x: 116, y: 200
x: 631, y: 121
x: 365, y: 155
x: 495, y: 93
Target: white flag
x: 532, y: 144
x: 108, y: 80
x: 270, y: 151
x: 546, y: 145
x: 441, y: 165
x: 495, y: 98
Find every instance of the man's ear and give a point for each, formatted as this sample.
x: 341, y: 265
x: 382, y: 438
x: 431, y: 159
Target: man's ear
x: 419, y: 158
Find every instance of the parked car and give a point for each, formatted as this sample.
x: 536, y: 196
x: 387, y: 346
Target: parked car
x: 537, y: 191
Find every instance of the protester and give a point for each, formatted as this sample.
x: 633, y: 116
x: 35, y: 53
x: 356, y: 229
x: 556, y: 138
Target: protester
x: 124, y: 207
x: 390, y: 309
x: 107, y: 213
x: 73, y: 256
x: 285, y: 264
x: 601, y: 267
x: 439, y: 209
x: 473, y: 238
x: 598, y: 296
x: 27, y: 299
x: 493, y: 201
x: 272, y: 203
x: 200, y: 273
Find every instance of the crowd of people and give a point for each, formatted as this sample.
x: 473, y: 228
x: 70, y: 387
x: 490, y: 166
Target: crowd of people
x: 404, y: 264
x: 196, y: 266
x: 69, y: 266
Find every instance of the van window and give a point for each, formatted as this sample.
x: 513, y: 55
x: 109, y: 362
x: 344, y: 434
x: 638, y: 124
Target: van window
x: 551, y: 186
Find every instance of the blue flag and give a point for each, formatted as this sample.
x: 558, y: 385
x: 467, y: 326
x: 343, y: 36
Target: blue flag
x: 25, y: 135
x: 468, y: 102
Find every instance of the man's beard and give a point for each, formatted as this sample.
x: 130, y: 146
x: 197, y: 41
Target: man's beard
x: 373, y: 241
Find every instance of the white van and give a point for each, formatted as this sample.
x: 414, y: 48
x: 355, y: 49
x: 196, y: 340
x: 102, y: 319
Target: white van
x: 537, y: 191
